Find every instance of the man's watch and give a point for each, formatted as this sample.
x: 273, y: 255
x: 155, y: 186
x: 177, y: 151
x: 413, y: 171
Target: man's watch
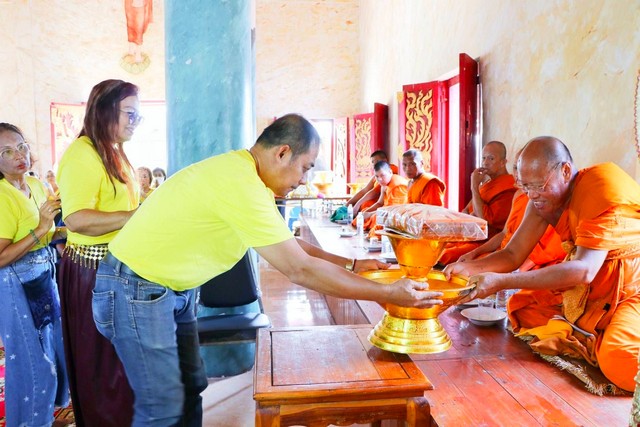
x: 350, y: 264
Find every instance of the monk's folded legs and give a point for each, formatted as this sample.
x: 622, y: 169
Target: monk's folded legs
x: 618, y: 351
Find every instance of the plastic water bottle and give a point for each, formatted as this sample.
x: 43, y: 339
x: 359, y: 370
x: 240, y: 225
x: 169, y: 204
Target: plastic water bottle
x: 350, y: 213
x: 360, y: 225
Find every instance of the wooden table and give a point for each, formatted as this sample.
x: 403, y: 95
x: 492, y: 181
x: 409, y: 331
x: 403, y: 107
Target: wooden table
x: 488, y: 377
x: 321, y: 375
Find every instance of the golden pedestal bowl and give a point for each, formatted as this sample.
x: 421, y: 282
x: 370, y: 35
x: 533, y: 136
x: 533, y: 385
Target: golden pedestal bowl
x: 323, y: 187
x: 354, y: 187
x: 416, y: 257
x: 416, y: 330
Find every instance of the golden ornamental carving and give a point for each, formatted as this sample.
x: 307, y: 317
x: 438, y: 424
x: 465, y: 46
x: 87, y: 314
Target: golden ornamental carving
x: 340, y: 159
x: 362, y: 130
x: 419, y: 119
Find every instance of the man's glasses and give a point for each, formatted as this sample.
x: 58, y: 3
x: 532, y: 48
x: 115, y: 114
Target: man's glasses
x: 11, y: 153
x: 528, y: 188
x: 134, y: 117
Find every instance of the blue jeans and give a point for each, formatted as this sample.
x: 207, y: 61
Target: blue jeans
x: 36, y: 377
x: 154, y: 332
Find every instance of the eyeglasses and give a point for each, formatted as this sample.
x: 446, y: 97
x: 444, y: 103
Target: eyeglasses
x: 134, y: 117
x: 528, y: 188
x: 11, y: 153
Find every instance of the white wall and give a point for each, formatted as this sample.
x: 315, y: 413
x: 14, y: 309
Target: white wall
x: 565, y: 68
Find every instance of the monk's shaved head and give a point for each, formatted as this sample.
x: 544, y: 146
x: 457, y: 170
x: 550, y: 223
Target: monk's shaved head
x: 545, y: 151
x: 414, y: 154
x: 502, y: 150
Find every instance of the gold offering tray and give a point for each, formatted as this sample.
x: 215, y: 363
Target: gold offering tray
x: 416, y: 330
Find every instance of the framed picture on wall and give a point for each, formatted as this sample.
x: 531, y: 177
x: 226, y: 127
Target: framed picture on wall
x: 148, y: 146
x: 66, y: 123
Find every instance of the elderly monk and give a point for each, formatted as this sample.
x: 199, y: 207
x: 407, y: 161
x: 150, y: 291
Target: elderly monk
x: 548, y: 250
x: 393, y: 192
x: 595, y: 292
x: 424, y: 187
x: 492, y: 189
x: 371, y: 192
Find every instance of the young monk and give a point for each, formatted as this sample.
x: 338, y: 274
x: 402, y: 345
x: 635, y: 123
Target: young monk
x: 492, y: 189
x: 596, y: 212
x: 393, y: 192
x: 371, y: 192
x: 424, y: 187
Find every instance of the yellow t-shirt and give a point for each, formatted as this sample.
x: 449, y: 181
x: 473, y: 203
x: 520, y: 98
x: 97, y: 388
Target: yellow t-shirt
x: 19, y: 214
x: 84, y: 184
x: 200, y: 222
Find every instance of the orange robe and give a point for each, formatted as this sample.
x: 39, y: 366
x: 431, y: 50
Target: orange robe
x: 427, y: 189
x: 376, y: 189
x: 497, y: 195
x: 548, y: 251
x: 394, y: 194
x: 603, y: 214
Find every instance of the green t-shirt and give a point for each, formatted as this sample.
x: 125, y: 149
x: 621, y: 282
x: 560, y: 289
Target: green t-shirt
x: 84, y: 184
x: 200, y: 222
x: 19, y: 214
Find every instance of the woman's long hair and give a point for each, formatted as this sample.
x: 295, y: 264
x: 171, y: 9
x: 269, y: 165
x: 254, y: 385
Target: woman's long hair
x: 8, y: 127
x: 101, y: 125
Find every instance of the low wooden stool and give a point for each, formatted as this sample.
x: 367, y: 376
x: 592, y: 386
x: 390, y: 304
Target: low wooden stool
x: 320, y: 375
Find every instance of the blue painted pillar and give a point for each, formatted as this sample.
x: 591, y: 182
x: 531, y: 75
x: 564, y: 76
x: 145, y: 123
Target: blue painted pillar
x: 209, y: 78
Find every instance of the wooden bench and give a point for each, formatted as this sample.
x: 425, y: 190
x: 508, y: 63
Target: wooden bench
x: 322, y: 375
x: 488, y: 377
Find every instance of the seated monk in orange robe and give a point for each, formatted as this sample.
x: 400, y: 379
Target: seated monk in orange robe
x: 393, y: 192
x: 548, y: 250
x: 594, y: 293
x: 492, y: 189
x: 371, y: 192
x: 424, y: 187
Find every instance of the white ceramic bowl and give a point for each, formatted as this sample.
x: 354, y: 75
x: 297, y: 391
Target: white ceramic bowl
x: 483, y: 316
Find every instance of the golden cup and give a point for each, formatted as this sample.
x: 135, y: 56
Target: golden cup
x: 323, y: 187
x: 354, y: 187
x: 416, y: 257
x: 416, y: 330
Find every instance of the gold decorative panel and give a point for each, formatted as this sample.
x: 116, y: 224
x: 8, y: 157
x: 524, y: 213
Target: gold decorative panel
x: 419, y: 118
x: 362, y: 131
x: 340, y: 150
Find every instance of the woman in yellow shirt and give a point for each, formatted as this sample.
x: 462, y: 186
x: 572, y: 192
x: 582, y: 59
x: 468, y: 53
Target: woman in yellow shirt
x: 145, y: 179
x: 36, y: 379
x: 100, y: 193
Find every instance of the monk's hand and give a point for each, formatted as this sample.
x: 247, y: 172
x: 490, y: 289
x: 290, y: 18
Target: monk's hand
x: 477, y: 177
x: 455, y: 268
x: 469, y: 256
x: 486, y: 284
x: 409, y: 293
x: 369, y: 264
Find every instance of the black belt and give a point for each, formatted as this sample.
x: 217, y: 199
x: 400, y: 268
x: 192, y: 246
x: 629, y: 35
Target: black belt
x: 119, y: 266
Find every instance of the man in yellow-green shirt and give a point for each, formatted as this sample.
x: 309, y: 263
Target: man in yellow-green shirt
x: 197, y: 225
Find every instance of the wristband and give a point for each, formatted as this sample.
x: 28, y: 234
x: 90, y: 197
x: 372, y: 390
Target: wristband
x: 351, y: 264
x: 35, y: 238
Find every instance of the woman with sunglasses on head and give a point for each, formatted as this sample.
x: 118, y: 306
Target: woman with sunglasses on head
x: 36, y: 379
x: 100, y: 193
